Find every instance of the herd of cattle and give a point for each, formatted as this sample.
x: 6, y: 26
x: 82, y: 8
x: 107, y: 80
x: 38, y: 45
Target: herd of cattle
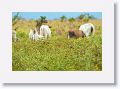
x: 44, y: 32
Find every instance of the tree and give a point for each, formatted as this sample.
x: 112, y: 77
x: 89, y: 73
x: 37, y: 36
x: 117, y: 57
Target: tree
x: 63, y: 18
x: 81, y: 16
x: 43, y: 19
x: 40, y: 21
x: 15, y: 19
x: 71, y: 19
x: 91, y: 17
x: 86, y: 18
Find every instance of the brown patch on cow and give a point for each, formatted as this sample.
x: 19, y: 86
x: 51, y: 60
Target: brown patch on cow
x: 75, y: 33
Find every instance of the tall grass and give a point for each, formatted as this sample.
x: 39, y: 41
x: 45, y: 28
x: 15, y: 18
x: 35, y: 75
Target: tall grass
x: 57, y: 53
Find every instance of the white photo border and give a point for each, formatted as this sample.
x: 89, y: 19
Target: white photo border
x: 104, y: 76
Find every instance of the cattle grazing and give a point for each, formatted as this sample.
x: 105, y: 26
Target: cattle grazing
x: 88, y: 29
x: 75, y: 34
x: 45, y: 31
x: 33, y: 35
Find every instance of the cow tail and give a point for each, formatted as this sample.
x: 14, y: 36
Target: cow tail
x: 93, y: 30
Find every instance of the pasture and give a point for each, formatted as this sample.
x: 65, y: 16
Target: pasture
x: 57, y: 53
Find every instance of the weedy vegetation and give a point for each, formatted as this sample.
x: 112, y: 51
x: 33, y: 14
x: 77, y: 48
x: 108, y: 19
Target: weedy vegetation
x: 57, y: 53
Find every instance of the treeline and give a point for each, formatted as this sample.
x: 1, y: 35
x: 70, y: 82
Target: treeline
x: 16, y: 18
x: 83, y: 17
x: 42, y: 19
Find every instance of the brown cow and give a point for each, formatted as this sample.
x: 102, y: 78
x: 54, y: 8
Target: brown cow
x: 75, y: 34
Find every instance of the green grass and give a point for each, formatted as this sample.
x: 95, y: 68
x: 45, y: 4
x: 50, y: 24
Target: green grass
x: 57, y: 54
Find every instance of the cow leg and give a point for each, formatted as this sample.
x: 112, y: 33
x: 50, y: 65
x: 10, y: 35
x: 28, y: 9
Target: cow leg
x: 45, y: 35
x: 68, y: 36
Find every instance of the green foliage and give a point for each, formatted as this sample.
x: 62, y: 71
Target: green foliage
x: 40, y: 21
x: 63, y: 18
x: 91, y: 17
x: 15, y: 19
x: 86, y: 17
x: 21, y: 35
x: 71, y: 19
x: 58, y: 53
x: 81, y: 16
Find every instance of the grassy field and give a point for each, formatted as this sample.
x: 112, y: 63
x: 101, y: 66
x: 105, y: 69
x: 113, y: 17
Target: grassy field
x: 57, y: 53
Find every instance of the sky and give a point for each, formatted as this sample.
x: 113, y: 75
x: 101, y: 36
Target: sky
x: 55, y: 15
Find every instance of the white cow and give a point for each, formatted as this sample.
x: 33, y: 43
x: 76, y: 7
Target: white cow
x: 14, y: 37
x: 45, y: 31
x: 88, y: 29
x: 33, y: 35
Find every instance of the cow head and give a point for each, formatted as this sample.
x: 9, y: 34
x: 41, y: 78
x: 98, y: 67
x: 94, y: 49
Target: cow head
x: 71, y: 33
